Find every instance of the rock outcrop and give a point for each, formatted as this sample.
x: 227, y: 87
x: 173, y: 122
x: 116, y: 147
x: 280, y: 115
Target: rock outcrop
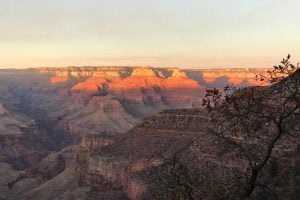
x: 122, y: 168
x: 143, y: 86
x: 178, y: 88
x: 10, y: 128
x: 111, y: 165
x: 109, y: 176
x: 60, y: 78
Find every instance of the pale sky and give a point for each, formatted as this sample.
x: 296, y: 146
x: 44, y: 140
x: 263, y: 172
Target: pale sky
x: 160, y: 33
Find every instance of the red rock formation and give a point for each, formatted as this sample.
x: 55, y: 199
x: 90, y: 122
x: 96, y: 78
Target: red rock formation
x: 144, y: 85
x: 96, y: 81
x: 92, y: 84
x: 120, y: 96
x: 147, y: 77
x: 179, y: 80
x: 60, y: 77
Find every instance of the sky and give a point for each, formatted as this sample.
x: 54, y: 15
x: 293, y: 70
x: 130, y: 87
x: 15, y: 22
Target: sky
x: 159, y: 33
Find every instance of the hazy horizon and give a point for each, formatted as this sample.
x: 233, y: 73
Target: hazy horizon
x: 177, y: 33
x: 133, y: 66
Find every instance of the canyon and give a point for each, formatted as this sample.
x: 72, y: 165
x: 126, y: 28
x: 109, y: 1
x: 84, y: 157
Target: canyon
x: 96, y: 132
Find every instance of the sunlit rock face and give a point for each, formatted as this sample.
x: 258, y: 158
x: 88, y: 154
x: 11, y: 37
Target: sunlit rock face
x: 97, y: 81
x: 149, y: 86
x: 92, y: 84
x: 60, y: 77
x: 139, y: 78
x: 143, y: 71
x: 126, y: 78
x: 143, y: 85
x: 179, y: 80
x: 171, y: 87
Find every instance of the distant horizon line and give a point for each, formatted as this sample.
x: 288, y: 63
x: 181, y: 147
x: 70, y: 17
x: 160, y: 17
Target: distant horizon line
x: 127, y: 66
